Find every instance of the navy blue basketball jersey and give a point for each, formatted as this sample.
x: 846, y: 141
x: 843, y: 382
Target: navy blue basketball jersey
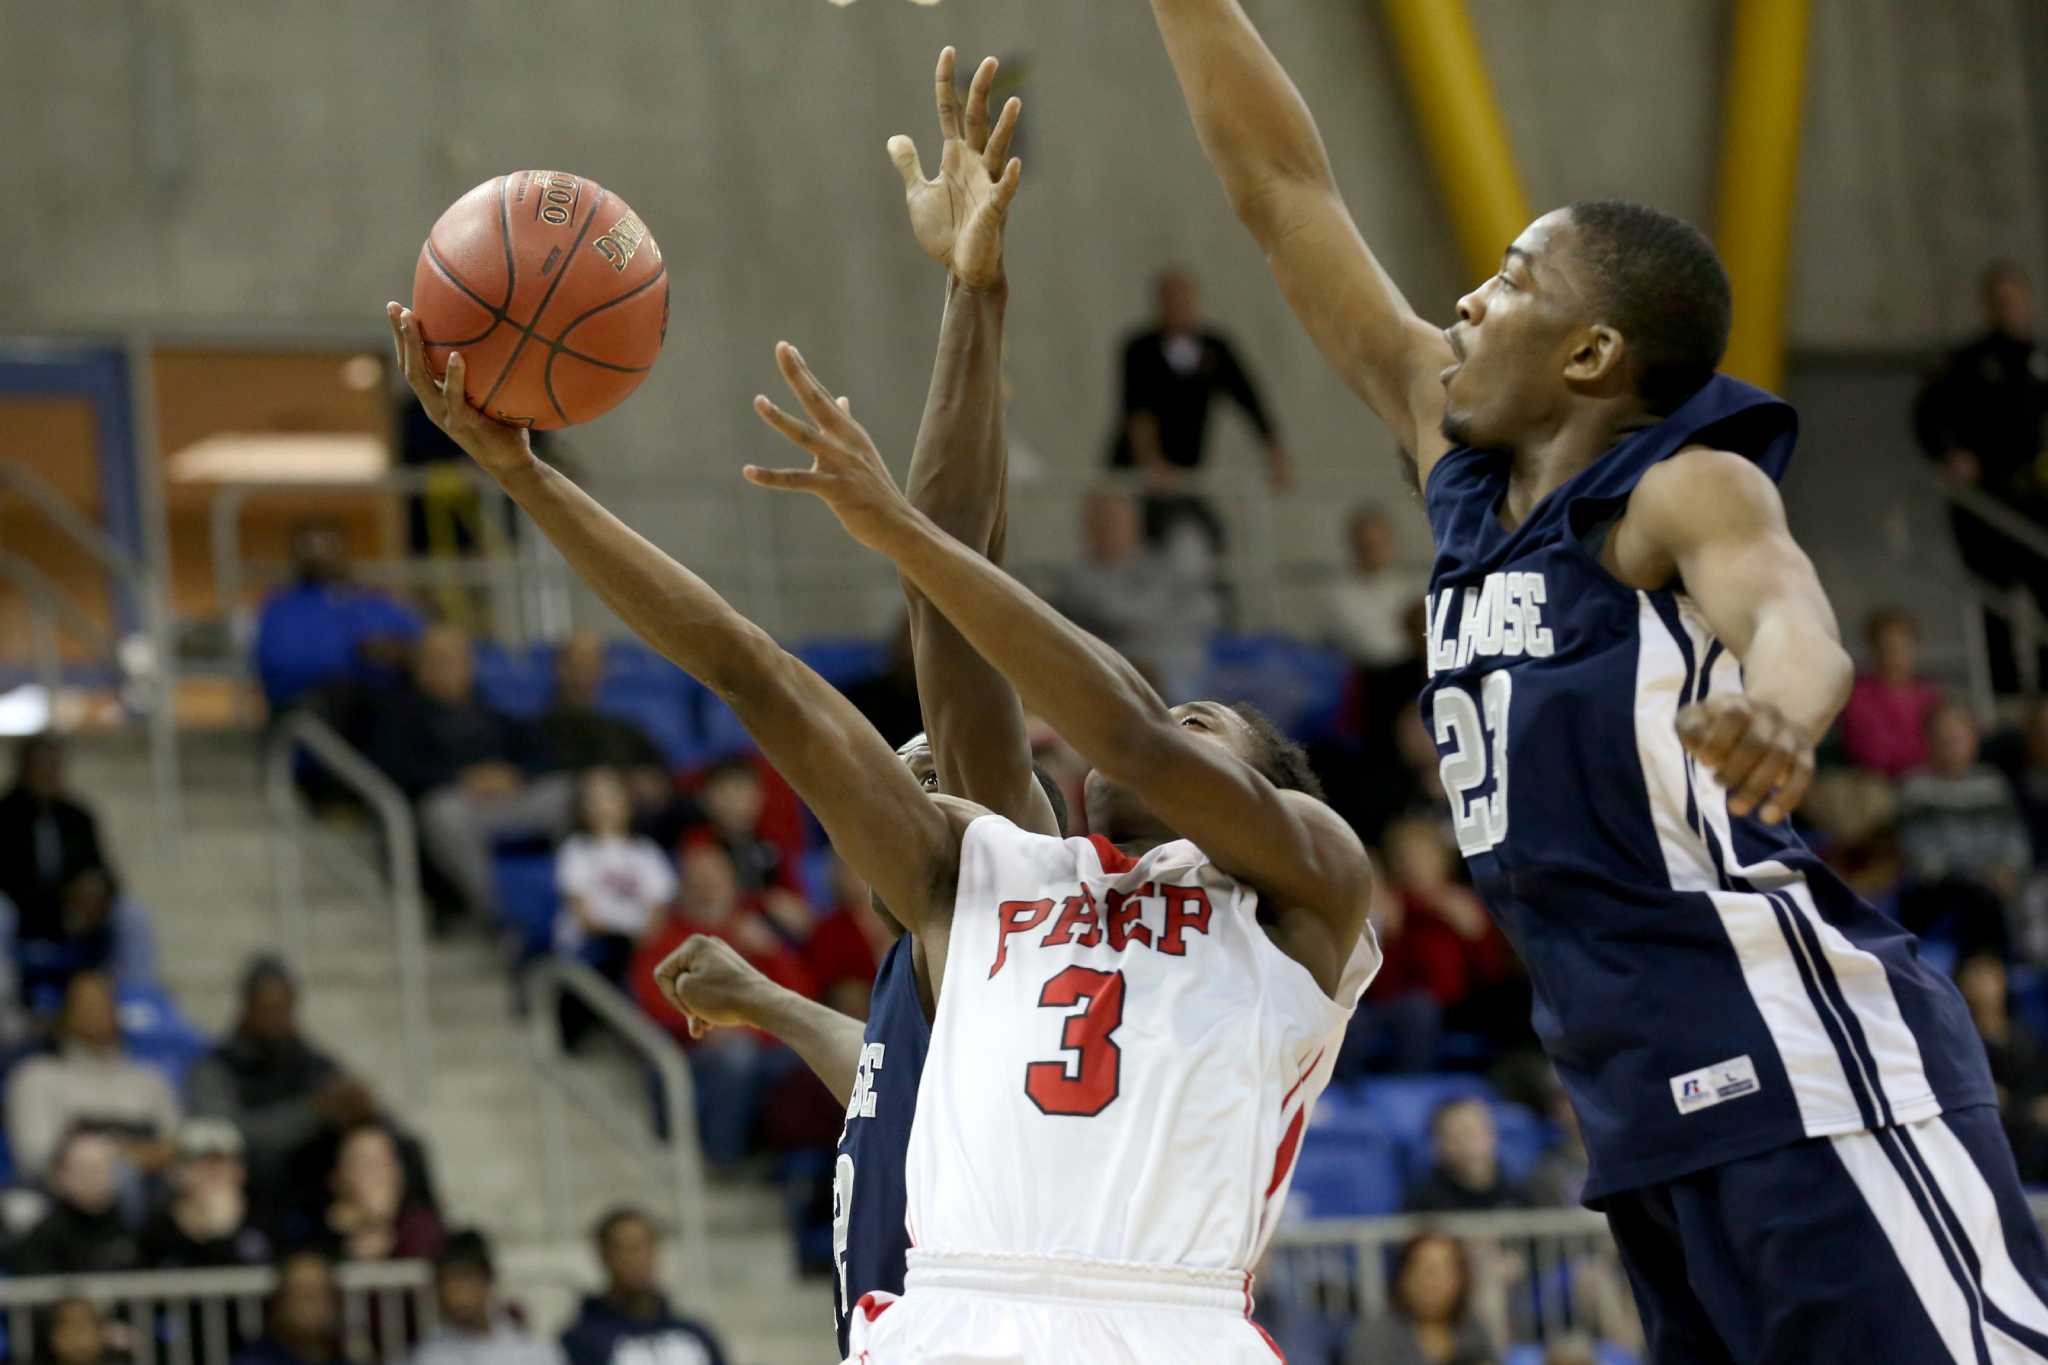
x: 869, y: 1238
x: 1706, y: 987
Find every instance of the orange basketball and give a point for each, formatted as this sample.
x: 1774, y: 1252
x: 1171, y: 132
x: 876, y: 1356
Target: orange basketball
x: 553, y: 290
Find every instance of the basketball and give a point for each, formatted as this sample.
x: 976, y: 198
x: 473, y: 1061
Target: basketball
x: 553, y: 290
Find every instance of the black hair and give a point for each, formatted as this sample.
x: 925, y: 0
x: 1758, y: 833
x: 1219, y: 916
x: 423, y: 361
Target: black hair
x: 262, y: 968
x: 30, y: 745
x: 1282, y: 762
x: 466, y: 1249
x: 1658, y: 281
x: 1056, y: 798
x: 1884, y: 618
x: 616, y: 1217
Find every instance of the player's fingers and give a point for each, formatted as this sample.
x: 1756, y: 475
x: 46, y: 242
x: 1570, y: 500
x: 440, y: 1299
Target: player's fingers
x: 783, y: 480
x: 977, y: 103
x: 1006, y: 188
x: 1735, y: 764
x: 810, y: 390
x: 455, y: 392
x: 1790, y: 792
x: 698, y: 1028
x: 1716, y: 733
x: 947, y: 97
x: 998, y: 150
x: 794, y: 430
x: 1764, y: 777
x: 412, y: 362
x: 846, y: 405
x: 903, y: 152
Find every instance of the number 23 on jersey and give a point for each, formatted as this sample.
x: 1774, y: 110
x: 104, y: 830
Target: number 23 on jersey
x: 1472, y: 736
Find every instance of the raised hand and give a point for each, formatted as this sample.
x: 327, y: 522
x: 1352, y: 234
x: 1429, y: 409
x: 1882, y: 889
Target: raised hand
x: 958, y: 217
x: 846, y: 470
x: 711, y: 985
x: 500, y: 449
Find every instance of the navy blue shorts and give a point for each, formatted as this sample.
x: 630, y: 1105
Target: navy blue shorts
x: 1906, y: 1246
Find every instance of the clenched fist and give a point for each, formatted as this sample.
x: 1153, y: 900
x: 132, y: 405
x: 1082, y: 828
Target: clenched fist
x: 1763, y: 759
x: 710, y: 984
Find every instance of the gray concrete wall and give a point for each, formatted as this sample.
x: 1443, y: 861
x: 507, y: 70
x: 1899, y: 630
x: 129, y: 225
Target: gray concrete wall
x: 225, y: 164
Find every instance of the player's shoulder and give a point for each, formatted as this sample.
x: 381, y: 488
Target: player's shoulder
x: 1700, y: 484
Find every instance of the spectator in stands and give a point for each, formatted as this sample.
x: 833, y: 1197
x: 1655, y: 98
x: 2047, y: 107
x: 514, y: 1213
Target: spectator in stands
x: 843, y: 948
x: 631, y: 1321
x: 74, y: 1332
x: 1964, y: 842
x: 1884, y: 726
x: 475, y: 1329
x: 1171, y: 373
x: 732, y: 1067
x: 86, y: 1081
x: 281, y: 1093
x: 2019, y: 1063
x: 1140, y: 600
x: 84, y: 1232
x: 53, y: 870
x: 205, y: 1222
x: 302, y: 1325
x: 576, y: 736
x: 1467, y: 1177
x: 322, y: 630
x: 1559, y: 1177
x: 1371, y: 606
x: 373, y: 1215
x: 1981, y: 419
x: 612, y: 881
x: 1398, y: 1017
x: 734, y: 801
x: 1432, y: 1322
x: 459, y: 761
x: 1453, y: 949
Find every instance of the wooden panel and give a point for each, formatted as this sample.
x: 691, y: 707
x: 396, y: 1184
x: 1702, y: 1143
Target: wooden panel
x: 53, y: 438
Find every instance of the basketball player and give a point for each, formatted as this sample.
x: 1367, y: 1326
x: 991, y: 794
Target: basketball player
x: 1122, y: 1064
x: 977, y: 746
x: 1789, y: 1118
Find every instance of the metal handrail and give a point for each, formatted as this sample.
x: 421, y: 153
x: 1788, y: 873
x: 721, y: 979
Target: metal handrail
x: 679, y: 1160
x: 51, y: 612
x: 153, y: 595
x: 303, y: 730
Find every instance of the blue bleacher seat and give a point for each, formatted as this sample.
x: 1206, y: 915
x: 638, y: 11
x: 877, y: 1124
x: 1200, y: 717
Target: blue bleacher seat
x: 1349, y: 1174
x: 1404, y: 1105
x: 1524, y: 1137
x: 1299, y: 685
x: 512, y: 681
x: 1605, y: 1352
x: 845, y: 662
x: 526, y: 894
x: 155, y: 1032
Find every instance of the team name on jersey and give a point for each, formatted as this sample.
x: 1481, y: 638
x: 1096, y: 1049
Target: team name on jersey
x: 1501, y: 618
x: 865, y: 1096
x: 1120, y: 921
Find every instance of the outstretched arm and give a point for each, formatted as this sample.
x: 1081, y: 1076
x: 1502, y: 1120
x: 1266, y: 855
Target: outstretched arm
x: 1713, y: 521
x: 1291, y: 847
x: 1263, y: 142
x: 715, y: 987
x: 959, y: 471
x: 878, y: 817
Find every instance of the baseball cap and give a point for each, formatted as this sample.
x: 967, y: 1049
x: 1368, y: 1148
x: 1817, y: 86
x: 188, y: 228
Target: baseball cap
x: 208, y: 1137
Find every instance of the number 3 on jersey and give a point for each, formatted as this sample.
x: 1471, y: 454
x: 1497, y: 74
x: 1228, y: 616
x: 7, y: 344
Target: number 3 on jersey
x: 1092, y: 1084
x: 1466, y: 741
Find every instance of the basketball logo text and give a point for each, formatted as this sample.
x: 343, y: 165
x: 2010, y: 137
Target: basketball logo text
x: 619, y: 244
x: 558, y: 194
x: 1502, y: 618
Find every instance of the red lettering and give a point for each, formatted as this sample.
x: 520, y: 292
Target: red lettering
x: 1187, y: 907
x: 1077, y: 912
x: 1016, y: 917
x: 1124, y: 928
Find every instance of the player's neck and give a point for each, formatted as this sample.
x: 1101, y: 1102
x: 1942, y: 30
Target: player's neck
x: 1552, y: 456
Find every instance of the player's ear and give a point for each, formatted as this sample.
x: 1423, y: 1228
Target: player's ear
x: 1596, y: 356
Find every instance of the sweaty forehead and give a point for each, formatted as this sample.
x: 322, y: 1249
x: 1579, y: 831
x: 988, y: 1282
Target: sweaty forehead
x: 1543, y: 245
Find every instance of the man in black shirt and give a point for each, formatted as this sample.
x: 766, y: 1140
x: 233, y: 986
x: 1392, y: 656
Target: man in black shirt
x: 1467, y: 1177
x: 1171, y: 373
x: 461, y: 763
x: 47, y: 840
x: 1981, y: 417
x: 575, y: 736
x: 205, y: 1221
x: 83, y: 1233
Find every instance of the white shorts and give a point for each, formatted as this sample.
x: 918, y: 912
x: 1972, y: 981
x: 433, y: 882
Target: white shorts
x: 962, y: 1310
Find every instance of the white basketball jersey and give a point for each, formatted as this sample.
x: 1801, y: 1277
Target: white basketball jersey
x: 1122, y: 1062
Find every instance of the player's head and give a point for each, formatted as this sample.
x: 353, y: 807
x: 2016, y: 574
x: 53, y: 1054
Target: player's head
x: 1604, y: 301
x: 1244, y: 729
x: 2008, y: 299
x: 916, y: 754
